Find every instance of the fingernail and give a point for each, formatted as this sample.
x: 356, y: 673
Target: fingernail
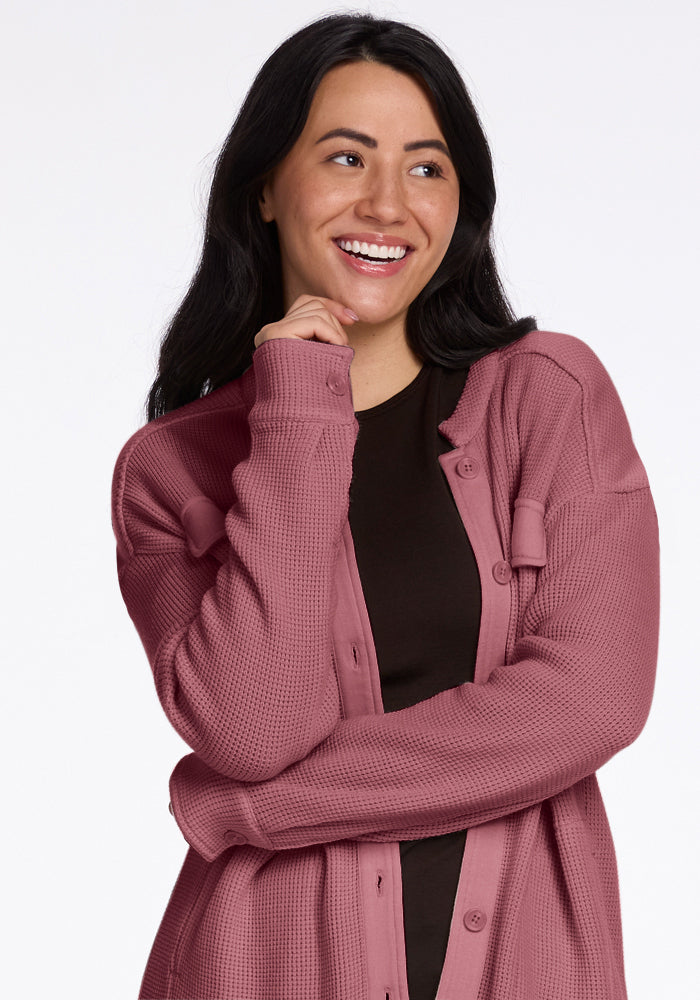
x: 351, y: 314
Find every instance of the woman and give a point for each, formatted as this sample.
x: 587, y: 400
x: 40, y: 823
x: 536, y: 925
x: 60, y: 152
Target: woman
x: 393, y: 558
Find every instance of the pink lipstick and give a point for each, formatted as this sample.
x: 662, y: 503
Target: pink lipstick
x: 373, y: 254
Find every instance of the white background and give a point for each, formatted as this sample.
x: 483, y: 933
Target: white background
x: 113, y: 115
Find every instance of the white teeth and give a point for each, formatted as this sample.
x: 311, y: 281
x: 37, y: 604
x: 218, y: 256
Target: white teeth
x: 373, y: 250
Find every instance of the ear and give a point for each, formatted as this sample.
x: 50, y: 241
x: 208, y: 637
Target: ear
x: 265, y: 203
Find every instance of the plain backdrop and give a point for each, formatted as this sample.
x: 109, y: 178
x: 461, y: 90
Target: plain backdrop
x: 113, y: 116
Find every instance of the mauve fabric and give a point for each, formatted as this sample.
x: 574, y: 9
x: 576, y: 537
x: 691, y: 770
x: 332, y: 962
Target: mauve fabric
x: 236, y: 567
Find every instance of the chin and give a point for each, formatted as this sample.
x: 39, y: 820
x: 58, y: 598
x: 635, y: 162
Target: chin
x: 375, y: 313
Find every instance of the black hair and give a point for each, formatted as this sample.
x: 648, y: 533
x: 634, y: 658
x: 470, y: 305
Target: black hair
x: 462, y: 313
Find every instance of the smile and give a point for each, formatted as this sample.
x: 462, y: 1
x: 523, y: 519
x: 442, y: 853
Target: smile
x: 389, y: 260
x: 371, y: 252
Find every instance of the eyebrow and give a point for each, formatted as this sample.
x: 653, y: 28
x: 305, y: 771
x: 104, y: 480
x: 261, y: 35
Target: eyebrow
x: 366, y: 140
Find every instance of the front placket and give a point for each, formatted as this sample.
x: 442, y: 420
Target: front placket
x: 360, y: 687
x: 379, y: 865
x: 475, y: 899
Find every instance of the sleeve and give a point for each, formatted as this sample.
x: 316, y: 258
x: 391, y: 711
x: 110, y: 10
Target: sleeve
x: 241, y: 651
x: 576, y: 691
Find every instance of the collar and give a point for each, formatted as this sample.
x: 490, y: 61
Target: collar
x: 459, y: 428
x: 466, y: 418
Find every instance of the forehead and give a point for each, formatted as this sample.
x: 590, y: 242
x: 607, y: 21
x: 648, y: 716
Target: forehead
x: 362, y: 95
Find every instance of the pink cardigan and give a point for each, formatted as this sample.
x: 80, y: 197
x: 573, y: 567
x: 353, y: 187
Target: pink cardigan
x: 236, y: 564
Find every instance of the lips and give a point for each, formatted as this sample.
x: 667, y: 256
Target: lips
x: 374, y: 267
x: 373, y: 248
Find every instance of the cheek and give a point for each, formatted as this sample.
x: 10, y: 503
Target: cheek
x: 440, y: 215
x: 323, y: 197
x: 310, y: 206
x: 450, y: 216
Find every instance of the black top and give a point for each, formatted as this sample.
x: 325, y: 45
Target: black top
x: 423, y: 596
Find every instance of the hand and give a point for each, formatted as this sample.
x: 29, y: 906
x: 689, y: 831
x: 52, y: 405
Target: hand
x: 310, y: 317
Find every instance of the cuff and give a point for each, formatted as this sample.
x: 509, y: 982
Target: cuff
x: 302, y: 380
x: 212, y: 811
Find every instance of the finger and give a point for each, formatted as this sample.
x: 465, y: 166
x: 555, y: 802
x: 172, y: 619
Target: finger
x: 341, y: 312
x: 314, y: 308
x: 319, y: 324
x: 305, y: 327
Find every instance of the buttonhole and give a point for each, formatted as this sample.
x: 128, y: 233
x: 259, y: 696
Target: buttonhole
x: 355, y: 656
x: 380, y: 876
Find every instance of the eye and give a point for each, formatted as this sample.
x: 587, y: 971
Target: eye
x: 348, y: 159
x: 427, y: 170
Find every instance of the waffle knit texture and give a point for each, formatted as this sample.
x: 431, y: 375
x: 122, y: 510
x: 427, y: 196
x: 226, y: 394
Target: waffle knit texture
x: 229, y: 515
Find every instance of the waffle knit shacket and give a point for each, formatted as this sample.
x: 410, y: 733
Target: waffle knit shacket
x: 236, y: 564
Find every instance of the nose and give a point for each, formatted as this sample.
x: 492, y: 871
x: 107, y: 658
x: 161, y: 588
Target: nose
x: 382, y: 199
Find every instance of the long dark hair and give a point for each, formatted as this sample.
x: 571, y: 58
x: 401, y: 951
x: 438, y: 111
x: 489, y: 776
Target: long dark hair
x: 461, y: 315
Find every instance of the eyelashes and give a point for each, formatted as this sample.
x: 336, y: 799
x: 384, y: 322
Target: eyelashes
x: 350, y: 154
x: 432, y: 166
x: 344, y: 156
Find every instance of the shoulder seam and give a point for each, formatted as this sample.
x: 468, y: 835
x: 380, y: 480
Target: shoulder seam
x: 130, y: 448
x: 154, y: 426
x: 584, y: 415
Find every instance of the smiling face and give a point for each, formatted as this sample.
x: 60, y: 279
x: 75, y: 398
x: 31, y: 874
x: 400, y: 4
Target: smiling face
x: 366, y: 201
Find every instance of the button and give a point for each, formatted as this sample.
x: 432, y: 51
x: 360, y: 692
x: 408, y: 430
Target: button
x: 232, y: 838
x: 502, y: 572
x: 336, y: 383
x: 468, y: 468
x: 170, y: 807
x: 475, y: 920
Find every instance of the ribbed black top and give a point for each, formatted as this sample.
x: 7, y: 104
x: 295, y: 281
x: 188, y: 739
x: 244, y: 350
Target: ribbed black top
x: 423, y: 596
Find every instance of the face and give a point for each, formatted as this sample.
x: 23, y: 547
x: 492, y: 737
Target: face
x: 366, y: 201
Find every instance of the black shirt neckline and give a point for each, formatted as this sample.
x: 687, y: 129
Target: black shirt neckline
x: 397, y: 398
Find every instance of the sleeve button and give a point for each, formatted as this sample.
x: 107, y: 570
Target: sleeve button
x: 336, y: 383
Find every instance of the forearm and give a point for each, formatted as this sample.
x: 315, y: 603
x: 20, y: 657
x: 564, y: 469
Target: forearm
x: 241, y: 651
x: 578, y: 690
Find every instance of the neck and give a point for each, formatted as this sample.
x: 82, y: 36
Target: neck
x: 383, y: 364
